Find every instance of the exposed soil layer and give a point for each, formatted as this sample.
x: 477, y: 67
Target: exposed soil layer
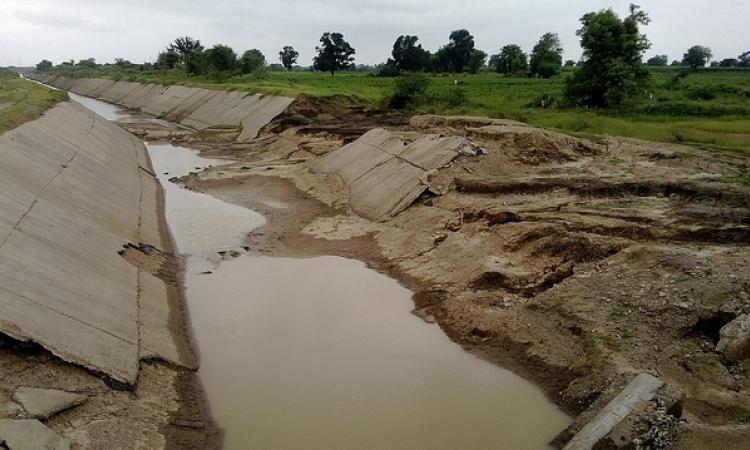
x: 575, y: 263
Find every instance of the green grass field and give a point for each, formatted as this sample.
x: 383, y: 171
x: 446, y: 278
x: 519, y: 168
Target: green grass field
x: 710, y: 108
x: 21, y: 100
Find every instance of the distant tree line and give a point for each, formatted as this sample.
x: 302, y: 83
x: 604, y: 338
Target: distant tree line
x: 610, y: 72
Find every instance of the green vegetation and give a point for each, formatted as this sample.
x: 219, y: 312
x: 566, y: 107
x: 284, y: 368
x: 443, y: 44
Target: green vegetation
x: 21, y: 100
x: 742, y: 418
x: 546, y: 56
x: 611, y: 72
x: 710, y: 108
x: 610, y: 91
x: 333, y: 54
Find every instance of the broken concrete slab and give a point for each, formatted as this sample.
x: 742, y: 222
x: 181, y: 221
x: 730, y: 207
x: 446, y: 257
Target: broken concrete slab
x: 384, y: 174
x: 30, y: 435
x: 642, y: 388
x: 43, y: 403
x: 734, y: 342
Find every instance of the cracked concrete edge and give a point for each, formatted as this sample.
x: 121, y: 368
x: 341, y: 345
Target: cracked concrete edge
x: 100, y: 347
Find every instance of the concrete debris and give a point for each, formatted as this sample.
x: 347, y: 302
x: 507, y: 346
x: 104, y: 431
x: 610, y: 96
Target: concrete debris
x: 642, y: 388
x: 30, y: 435
x: 384, y: 174
x: 734, y: 343
x: 43, y: 403
x: 195, y: 107
x: 72, y: 191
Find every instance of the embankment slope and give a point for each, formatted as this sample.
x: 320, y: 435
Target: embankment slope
x: 74, y: 189
x: 194, y: 107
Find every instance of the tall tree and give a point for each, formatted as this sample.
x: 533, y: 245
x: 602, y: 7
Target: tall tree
x: 167, y: 59
x: 511, y: 60
x: 459, y: 50
x: 658, y: 61
x: 44, y: 65
x: 546, y: 56
x: 221, y: 58
x: 612, y: 67
x: 186, y: 47
x: 744, y: 59
x: 334, y: 53
x: 251, y: 60
x: 697, y: 56
x: 476, y: 61
x: 288, y: 56
x: 407, y: 55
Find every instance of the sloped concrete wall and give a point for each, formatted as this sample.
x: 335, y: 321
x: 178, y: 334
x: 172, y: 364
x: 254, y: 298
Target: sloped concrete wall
x: 195, y: 107
x: 73, y: 189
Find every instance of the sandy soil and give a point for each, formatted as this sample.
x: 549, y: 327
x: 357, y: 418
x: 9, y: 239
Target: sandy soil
x: 578, y: 264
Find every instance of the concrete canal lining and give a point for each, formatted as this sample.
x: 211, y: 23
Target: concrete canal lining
x: 74, y: 188
x: 194, y: 107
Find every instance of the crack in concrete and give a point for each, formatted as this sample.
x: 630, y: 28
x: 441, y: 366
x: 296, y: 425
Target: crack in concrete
x: 49, y: 183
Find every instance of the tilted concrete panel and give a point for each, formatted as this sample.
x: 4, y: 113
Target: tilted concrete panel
x: 384, y: 174
x: 73, y: 190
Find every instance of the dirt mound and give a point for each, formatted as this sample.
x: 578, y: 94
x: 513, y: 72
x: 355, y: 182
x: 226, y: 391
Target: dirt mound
x: 528, y: 145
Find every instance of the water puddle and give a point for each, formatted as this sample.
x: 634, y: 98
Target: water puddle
x: 323, y: 353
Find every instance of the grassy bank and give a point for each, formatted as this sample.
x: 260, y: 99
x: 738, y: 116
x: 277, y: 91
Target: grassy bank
x: 21, y: 100
x: 710, y: 108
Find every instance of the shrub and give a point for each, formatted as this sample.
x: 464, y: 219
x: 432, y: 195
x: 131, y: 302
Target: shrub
x: 407, y: 89
x: 455, y: 97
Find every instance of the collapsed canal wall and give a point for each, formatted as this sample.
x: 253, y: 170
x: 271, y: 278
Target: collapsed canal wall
x: 75, y: 188
x: 194, y: 107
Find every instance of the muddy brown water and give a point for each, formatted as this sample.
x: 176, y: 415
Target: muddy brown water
x: 323, y: 353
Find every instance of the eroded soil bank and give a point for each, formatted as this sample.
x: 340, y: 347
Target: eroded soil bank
x: 576, y: 263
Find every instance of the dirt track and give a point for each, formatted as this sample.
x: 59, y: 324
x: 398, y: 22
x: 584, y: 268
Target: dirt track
x: 576, y: 263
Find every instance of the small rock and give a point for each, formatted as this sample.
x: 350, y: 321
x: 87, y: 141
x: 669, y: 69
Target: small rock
x: 735, y: 339
x: 43, y: 403
x: 30, y: 435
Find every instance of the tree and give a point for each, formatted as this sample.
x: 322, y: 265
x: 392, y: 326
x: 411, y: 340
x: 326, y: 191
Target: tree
x: 511, y: 60
x: 407, y: 55
x: 251, y: 60
x: 570, y: 63
x: 44, y: 65
x: 546, y: 57
x: 88, y: 63
x: 612, y: 67
x: 658, y: 61
x: 729, y: 62
x: 167, y: 59
x: 123, y: 63
x: 744, y: 59
x: 221, y: 58
x: 439, y: 61
x: 288, y: 56
x: 334, y: 53
x: 185, y: 47
x: 459, y: 50
x: 696, y: 56
x: 477, y: 60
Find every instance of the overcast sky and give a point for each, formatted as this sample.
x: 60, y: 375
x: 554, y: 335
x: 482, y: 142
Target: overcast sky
x: 137, y: 29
